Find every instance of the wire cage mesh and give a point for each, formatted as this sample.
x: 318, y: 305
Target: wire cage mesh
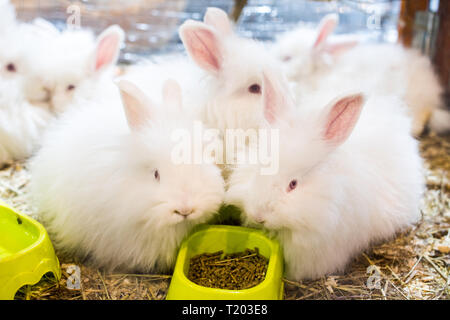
x: 151, y: 25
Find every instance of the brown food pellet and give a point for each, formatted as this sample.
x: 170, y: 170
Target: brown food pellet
x: 233, y: 271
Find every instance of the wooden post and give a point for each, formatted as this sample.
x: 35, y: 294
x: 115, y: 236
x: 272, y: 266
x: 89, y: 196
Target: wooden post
x: 406, y: 19
x: 237, y: 9
x: 442, y: 56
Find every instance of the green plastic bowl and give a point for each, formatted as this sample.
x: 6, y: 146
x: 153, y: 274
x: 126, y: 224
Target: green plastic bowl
x: 26, y: 253
x: 229, y: 239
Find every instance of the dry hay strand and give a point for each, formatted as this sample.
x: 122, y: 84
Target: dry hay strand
x: 413, y: 265
x: 97, y: 285
x: 94, y: 283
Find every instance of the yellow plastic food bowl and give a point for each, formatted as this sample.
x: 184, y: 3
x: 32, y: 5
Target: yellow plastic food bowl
x: 229, y: 239
x: 26, y: 253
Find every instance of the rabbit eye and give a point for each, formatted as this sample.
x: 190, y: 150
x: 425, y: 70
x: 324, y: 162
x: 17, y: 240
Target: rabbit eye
x: 292, y: 185
x: 156, y: 175
x: 11, y: 67
x: 255, y: 88
x: 70, y: 87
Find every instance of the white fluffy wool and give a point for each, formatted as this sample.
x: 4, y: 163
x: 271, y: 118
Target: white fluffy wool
x: 94, y: 184
x: 381, y: 69
x: 364, y: 191
x: 69, y: 59
x: 391, y: 69
x: 221, y: 95
x: 21, y: 124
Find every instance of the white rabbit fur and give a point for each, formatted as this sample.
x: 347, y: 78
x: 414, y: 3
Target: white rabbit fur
x: 307, y: 53
x: 294, y: 49
x: 21, y: 45
x: 45, y: 62
x: 364, y: 190
x: 226, y: 67
x: 21, y: 124
x: 75, y: 66
x: 94, y: 184
x: 377, y: 68
x: 403, y: 72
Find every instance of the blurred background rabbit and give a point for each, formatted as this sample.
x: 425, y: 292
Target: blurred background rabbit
x: 151, y: 28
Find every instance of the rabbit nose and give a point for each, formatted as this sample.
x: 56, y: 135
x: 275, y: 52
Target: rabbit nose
x: 184, y: 211
x: 48, y: 93
x: 259, y: 219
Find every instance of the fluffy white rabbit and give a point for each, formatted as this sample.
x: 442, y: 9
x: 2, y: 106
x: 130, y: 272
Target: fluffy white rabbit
x: 21, y: 43
x: 76, y: 66
x: 107, y: 188
x: 312, y: 60
x: 21, y: 124
x: 308, y: 54
x: 21, y: 48
x: 392, y: 69
x: 226, y: 83
x: 342, y: 183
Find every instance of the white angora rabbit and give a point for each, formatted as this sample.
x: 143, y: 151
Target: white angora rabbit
x: 107, y: 187
x: 344, y: 181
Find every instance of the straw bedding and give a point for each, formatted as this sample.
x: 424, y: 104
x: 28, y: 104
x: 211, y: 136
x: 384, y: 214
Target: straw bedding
x: 414, y: 265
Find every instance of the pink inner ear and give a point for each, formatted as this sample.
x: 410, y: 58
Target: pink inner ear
x: 106, y: 51
x: 269, y: 111
x: 172, y: 95
x: 134, y: 116
x: 136, y: 110
x: 325, y: 29
x: 342, y: 118
x: 273, y: 100
x: 203, y: 48
x: 339, y: 48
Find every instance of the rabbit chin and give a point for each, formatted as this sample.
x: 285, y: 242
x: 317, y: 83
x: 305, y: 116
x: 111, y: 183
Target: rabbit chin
x: 265, y: 221
x: 189, y: 220
x: 199, y: 216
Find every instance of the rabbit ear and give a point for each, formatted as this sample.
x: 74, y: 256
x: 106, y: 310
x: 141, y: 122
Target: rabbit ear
x: 135, y: 103
x: 336, y: 49
x: 218, y: 19
x: 172, y: 94
x: 326, y: 27
x: 46, y: 26
x: 107, y: 48
x: 341, y: 118
x: 273, y: 99
x: 203, y: 45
